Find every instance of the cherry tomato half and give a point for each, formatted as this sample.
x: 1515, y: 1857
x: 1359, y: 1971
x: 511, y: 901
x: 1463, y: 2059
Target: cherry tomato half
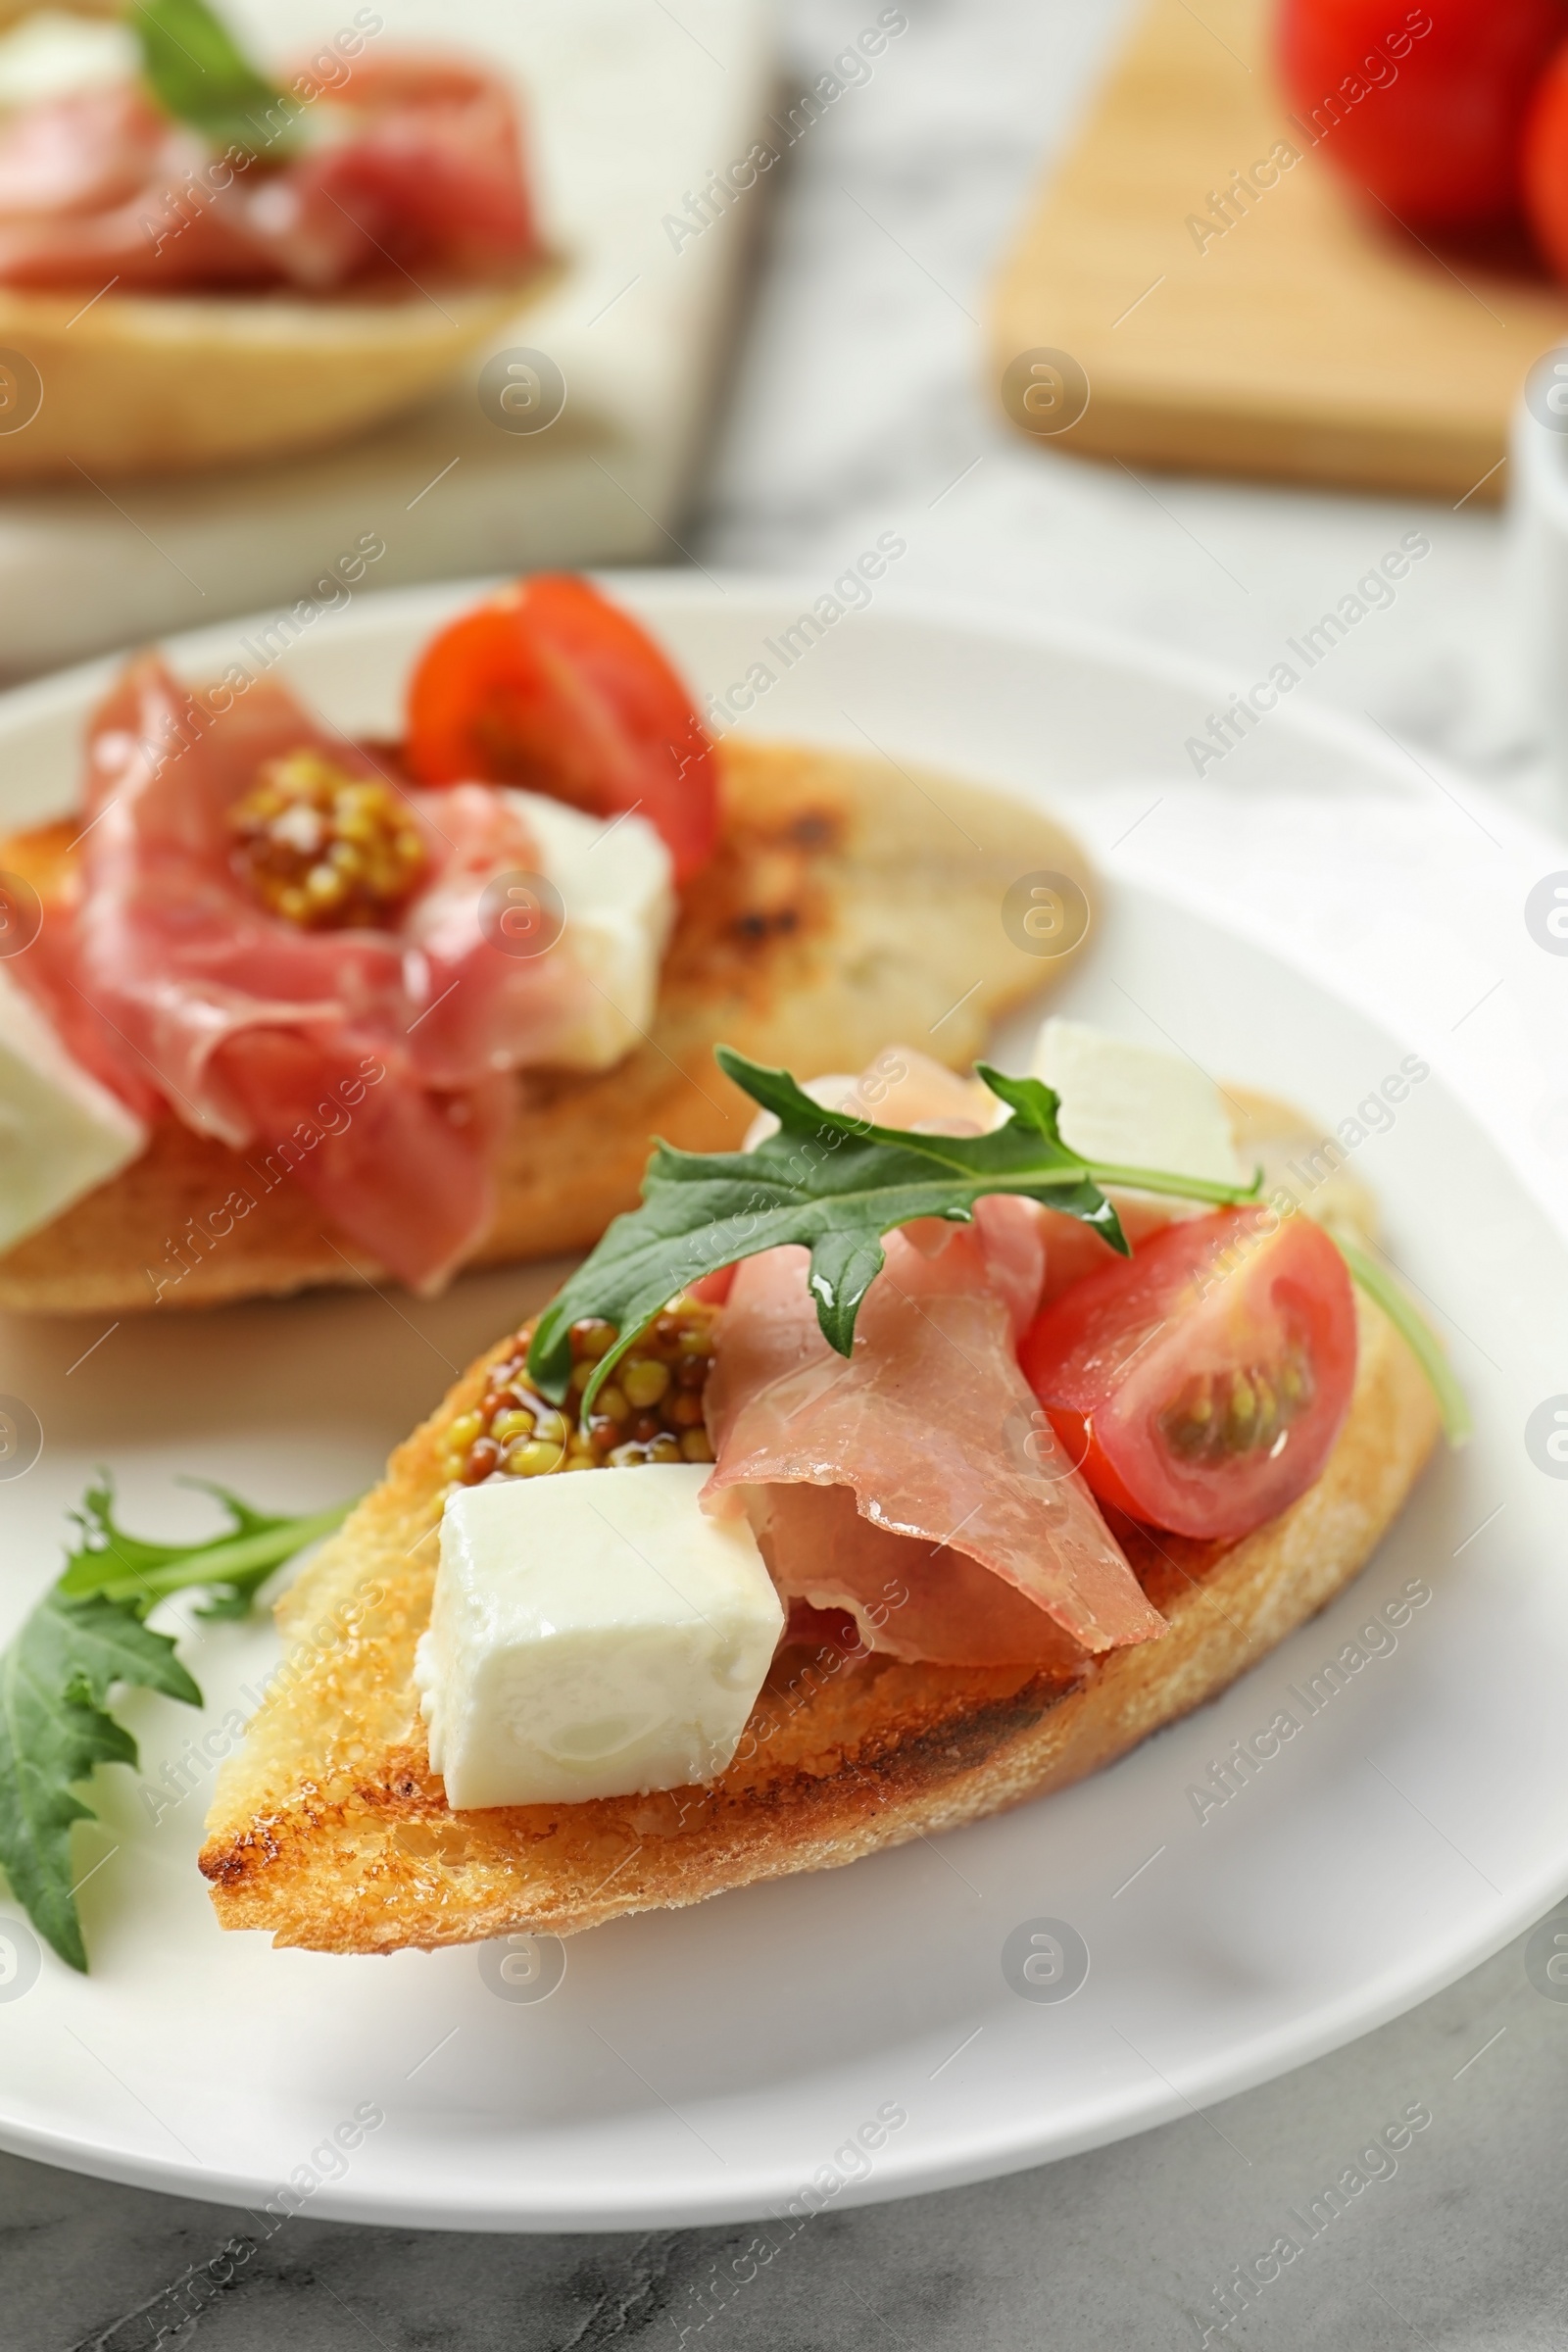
x: 1199, y: 1384
x: 550, y: 686
x: 1423, y: 106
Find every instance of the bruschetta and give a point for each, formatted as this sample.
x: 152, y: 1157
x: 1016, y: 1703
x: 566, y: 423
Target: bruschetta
x: 202, y: 263
x: 285, y: 1010
x: 866, y: 1541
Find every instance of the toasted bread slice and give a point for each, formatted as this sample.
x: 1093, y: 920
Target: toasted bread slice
x: 169, y: 384
x: 329, y: 1829
x: 178, y: 383
x: 850, y: 901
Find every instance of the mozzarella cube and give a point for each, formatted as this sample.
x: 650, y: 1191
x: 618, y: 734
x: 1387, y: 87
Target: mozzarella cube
x: 1130, y: 1105
x: 615, y: 882
x: 52, y: 53
x: 594, y: 1634
x: 60, y: 1133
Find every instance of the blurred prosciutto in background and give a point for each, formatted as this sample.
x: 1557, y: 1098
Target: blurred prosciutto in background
x: 411, y: 166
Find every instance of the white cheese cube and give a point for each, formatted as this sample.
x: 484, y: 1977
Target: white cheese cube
x: 1130, y: 1105
x: 51, y: 54
x: 614, y: 879
x: 60, y: 1133
x: 594, y: 1634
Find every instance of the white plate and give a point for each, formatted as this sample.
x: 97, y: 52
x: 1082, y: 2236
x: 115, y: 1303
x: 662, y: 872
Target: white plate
x: 714, y: 2063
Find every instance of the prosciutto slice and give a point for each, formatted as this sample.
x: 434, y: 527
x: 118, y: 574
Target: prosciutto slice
x: 409, y: 165
x: 366, y: 1065
x: 917, y: 1484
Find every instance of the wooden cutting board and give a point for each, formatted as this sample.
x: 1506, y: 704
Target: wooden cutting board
x: 1311, y: 340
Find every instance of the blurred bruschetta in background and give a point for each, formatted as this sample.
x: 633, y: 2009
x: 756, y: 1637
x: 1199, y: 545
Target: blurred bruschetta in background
x: 299, y: 1009
x: 203, y: 263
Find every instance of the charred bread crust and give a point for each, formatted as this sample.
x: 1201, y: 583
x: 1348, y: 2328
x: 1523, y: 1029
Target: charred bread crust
x: 329, y: 1831
x: 849, y: 903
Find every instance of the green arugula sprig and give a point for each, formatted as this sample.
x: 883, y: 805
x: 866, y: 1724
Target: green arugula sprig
x: 231, y: 1567
x: 88, y: 1635
x: 835, y: 1184
x: 198, y: 73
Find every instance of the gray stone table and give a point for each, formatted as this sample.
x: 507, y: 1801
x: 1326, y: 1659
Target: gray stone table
x: 1456, y: 2242
x: 859, y: 402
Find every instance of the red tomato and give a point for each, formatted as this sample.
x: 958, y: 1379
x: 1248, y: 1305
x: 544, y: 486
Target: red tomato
x: 1200, y: 1382
x: 550, y: 686
x: 1434, y: 132
x: 1543, y: 166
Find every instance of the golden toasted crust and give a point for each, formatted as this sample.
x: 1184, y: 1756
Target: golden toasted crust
x: 330, y: 1831
x: 175, y: 383
x: 849, y: 903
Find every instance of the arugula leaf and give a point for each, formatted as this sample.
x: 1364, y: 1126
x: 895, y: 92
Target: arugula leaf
x: 198, y: 74
x: 835, y: 1184
x: 123, y: 1568
x: 54, y: 1678
x: 85, y: 1637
